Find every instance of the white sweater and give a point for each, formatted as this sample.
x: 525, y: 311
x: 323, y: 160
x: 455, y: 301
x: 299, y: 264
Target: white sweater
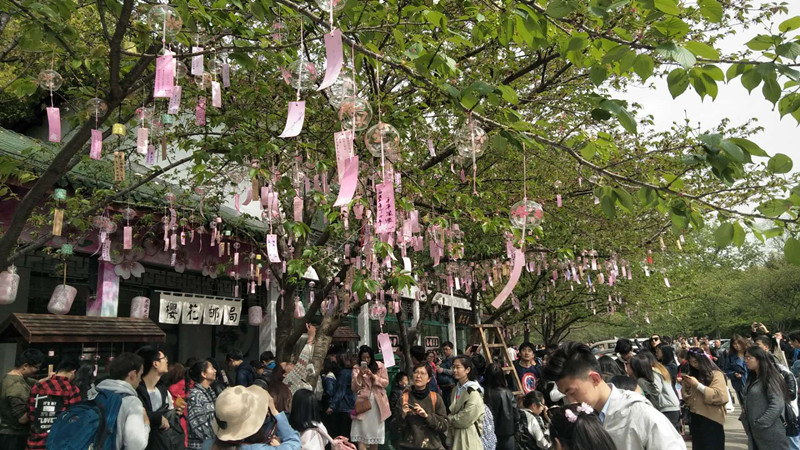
x: 132, y: 431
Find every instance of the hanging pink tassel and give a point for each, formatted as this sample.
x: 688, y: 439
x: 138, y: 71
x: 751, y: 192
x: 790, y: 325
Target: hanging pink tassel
x: 299, y: 309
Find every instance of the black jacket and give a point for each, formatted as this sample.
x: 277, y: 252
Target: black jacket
x: 170, y: 439
x: 503, y: 404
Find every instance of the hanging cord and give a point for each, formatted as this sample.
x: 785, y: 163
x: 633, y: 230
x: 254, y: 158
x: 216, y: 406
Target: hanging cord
x: 302, y: 61
x: 380, y: 117
x: 474, y: 164
x: 524, y: 193
x: 355, y: 84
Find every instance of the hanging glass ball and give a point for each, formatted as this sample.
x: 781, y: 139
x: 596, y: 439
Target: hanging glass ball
x: 342, y: 88
x: 180, y: 69
x: 326, y: 5
x: 557, y: 184
x: 144, y: 113
x: 355, y: 112
x: 96, y: 107
x: 390, y: 137
x: 377, y: 311
x: 215, y: 66
x: 164, y: 19
x: 50, y: 80
x: 203, y: 81
x: 526, y: 213
x: 128, y: 213
x: 277, y: 31
x: 301, y: 74
x: 470, y: 140
x: 594, y: 179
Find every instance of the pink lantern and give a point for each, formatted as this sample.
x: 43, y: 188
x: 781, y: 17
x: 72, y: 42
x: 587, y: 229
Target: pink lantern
x: 255, y: 316
x: 140, y: 307
x: 9, y: 282
x: 62, y: 298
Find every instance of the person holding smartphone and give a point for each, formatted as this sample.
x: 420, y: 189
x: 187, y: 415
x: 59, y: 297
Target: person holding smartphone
x: 424, y: 416
x: 370, y: 380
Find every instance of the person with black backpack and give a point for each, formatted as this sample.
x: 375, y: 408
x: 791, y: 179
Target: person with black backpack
x: 503, y: 404
x: 533, y: 431
x: 166, y: 432
x: 49, y: 398
x: 113, y: 419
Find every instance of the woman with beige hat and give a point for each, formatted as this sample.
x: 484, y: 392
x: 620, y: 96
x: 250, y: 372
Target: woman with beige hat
x: 246, y: 419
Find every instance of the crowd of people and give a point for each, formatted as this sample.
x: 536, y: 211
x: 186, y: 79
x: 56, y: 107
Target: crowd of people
x: 650, y: 395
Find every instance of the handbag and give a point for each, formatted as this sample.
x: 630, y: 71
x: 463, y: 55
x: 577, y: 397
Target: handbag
x: 362, y: 405
x: 790, y: 421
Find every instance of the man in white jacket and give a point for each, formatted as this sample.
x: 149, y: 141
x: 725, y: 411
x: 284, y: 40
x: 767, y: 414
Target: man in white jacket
x: 629, y: 418
x: 133, y: 428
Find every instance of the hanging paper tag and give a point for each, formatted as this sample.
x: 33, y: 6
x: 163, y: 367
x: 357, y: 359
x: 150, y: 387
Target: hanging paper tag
x: 127, y: 238
x: 343, y: 142
x: 519, y: 262
x: 200, y: 111
x: 54, y: 124
x: 385, y: 344
x: 349, y: 181
x: 333, y: 54
x: 97, y: 144
x: 142, y: 135
x: 272, y: 248
x: 58, y: 221
x: 106, y: 253
x: 175, y: 100
x: 558, y: 200
x: 226, y: 75
x: 216, y: 95
x: 297, y: 205
x: 197, y: 61
x: 666, y: 282
x: 119, y: 166
x: 386, y: 221
x: 150, y: 159
x: 294, y: 119
x: 430, y: 148
x: 183, y: 238
x: 165, y: 76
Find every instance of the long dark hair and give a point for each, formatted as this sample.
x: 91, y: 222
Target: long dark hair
x: 641, y: 367
x: 84, y: 377
x: 373, y: 365
x: 767, y: 372
x: 737, y: 339
x: 609, y: 367
x: 305, y: 412
x: 705, y: 368
x: 585, y: 433
x: 494, y: 378
x: 466, y: 361
x: 667, y: 354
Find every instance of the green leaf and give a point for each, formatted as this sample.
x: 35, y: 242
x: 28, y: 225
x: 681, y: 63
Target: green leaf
x: 789, y: 104
x: 667, y: 6
x: 598, y: 74
x: 702, y: 50
x: 723, y: 235
x: 678, y: 81
x: 558, y: 9
x: 647, y: 197
x: 789, y: 50
x: 678, y: 54
x: 771, y: 90
x: 774, y: 207
x: 789, y: 24
x: 643, y: 66
x: 607, y: 204
x: 792, y: 250
x: 625, y: 118
x: 509, y: 94
x: 779, y: 163
x: 711, y: 10
x: 760, y: 42
x: 749, y: 146
x: 751, y: 79
x: 738, y: 234
x: 624, y: 199
x: 436, y: 18
x: 733, y: 150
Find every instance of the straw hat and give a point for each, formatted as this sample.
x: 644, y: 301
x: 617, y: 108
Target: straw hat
x: 241, y: 412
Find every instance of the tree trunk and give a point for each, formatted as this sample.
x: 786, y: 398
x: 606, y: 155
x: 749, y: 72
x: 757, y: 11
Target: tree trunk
x: 323, y: 343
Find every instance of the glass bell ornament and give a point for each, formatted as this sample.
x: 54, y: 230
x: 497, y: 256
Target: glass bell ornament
x: 61, y: 300
x: 470, y: 140
x: 144, y: 114
x: 50, y: 80
x: 215, y: 66
x: 180, y: 69
x: 594, y: 179
x: 557, y: 184
x: 9, y: 284
x: 377, y: 311
x: 355, y: 112
x: 326, y: 5
x: 278, y: 29
x: 140, y: 307
x: 255, y: 315
x: 203, y: 81
x: 386, y: 134
x: 128, y: 213
x: 164, y: 19
x: 343, y: 88
x: 301, y: 74
x: 526, y: 213
x: 104, y: 224
x: 299, y: 309
x: 96, y: 107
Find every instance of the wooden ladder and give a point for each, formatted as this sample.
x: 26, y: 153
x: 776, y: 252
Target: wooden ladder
x: 488, y: 347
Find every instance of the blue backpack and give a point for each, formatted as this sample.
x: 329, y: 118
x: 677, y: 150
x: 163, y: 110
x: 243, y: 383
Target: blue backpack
x: 90, y: 424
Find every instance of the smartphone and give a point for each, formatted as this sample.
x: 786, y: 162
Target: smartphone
x: 475, y: 348
x: 363, y: 364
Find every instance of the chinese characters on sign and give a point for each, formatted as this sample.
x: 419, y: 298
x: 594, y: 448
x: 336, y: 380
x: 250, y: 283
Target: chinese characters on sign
x: 189, y: 310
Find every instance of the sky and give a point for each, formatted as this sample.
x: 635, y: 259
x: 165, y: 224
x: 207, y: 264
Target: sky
x: 733, y: 101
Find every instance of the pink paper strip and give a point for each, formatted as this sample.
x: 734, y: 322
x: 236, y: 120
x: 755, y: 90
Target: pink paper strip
x: 127, y: 239
x: 519, y: 262
x: 142, y: 136
x: 200, y: 111
x: 226, y: 75
x: 295, y: 119
x: 54, y: 123
x: 165, y: 76
x: 272, y: 248
x: 97, y: 144
x: 150, y: 159
x: 236, y: 203
x: 297, y: 206
x: 347, y: 188
x: 249, y: 197
x: 430, y: 147
x: 343, y: 142
x: 333, y: 53
x: 175, y: 101
x: 558, y: 200
x: 197, y: 61
x: 386, y: 221
x: 216, y: 95
x: 385, y: 344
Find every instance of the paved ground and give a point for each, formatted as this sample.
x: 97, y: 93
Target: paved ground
x: 735, y: 438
